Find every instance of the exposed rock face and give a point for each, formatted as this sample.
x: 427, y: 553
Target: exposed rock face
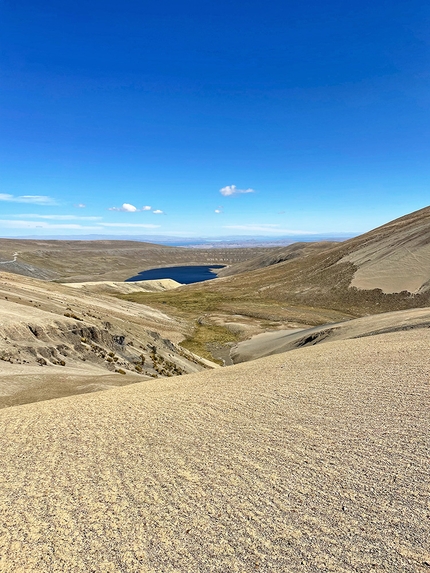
x: 69, y: 339
x: 46, y: 324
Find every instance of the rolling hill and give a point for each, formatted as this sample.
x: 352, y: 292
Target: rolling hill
x: 384, y: 270
x: 392, y: 258
x: 104, y: 260
x: 279, y: 255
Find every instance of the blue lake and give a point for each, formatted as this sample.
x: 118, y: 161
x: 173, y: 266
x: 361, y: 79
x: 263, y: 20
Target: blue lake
x: 185, y: 275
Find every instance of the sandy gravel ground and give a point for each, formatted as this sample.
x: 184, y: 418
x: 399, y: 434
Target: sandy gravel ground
x: 309, y: 461
x: 25, y: 384
x: 158, y: 285
x: 392, y: 266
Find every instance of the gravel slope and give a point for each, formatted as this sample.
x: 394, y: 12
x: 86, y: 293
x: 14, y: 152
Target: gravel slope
x: 310, y: 461
x: 278, y: 341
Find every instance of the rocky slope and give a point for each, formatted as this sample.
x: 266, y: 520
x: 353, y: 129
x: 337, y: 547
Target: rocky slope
x: 52, y: 327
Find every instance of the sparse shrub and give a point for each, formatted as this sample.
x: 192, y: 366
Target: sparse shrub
x: 71, y: 315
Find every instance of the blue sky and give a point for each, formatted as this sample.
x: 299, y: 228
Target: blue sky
x: 212, y: 118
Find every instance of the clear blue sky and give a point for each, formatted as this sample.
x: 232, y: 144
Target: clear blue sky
x: 212, y: 117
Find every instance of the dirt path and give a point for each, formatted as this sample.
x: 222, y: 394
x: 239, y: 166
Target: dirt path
x: 15, y: 255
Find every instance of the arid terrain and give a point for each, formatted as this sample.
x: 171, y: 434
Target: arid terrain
x: 307, y: 285
x: 56, y: 340
x: 126, y: 448
x: 83, y: 261
x: 383, y: 270
x: 277, y: 341
x: 313, y: 460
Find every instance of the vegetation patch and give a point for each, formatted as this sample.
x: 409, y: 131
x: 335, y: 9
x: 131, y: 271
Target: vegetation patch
x: 198, y: 304
x: 205, y: 334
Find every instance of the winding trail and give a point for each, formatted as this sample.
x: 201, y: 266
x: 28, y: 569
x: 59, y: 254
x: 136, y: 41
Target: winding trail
x: 15, y: 255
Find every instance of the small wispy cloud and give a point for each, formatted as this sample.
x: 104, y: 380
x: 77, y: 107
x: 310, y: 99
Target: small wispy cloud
x: 129, y: 208
x: 127, y: 225
x: 56, y: 217
x: 8, y: 224
x: 35, y: 199
x: 233, y: 190
x: 43, y: 224
x: 219, y: 209
x: 267, y: 228
x: 80, y: 205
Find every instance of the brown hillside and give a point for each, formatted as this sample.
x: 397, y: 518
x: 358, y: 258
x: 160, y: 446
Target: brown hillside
x: 329, y: 279
x: 79, y: 261
x: 279, y: 255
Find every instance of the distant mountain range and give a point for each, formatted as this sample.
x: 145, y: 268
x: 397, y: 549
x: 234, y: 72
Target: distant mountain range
x: 200, y: 242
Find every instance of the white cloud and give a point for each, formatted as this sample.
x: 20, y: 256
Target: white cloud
x: 129, y: 208
x: 219, y: 209
x: 158, y: 212
x: 233, y: 190
x: 80, y: 205
x: 126, y: 207
x: 35, y: 199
